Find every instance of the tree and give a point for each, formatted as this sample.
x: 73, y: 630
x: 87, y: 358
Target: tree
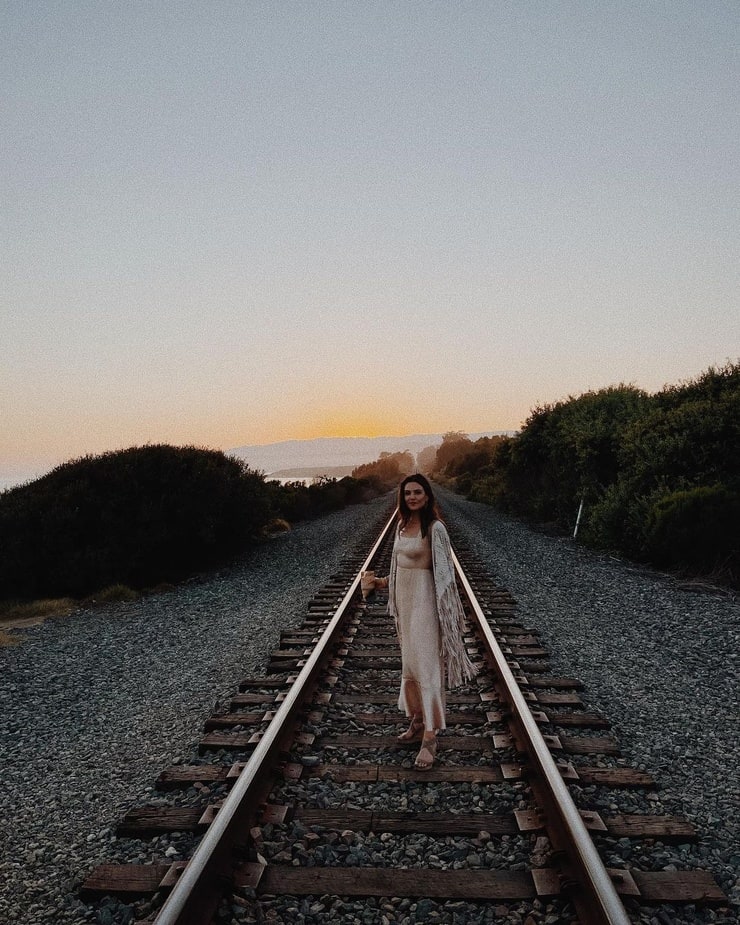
x: 426, y: 459
x: 387, y: 470
x: 454, y: 444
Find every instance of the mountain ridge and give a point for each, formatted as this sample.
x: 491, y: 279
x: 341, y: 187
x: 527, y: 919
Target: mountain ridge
x: 331, y: 452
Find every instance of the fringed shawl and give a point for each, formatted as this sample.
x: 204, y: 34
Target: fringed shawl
x: 449, y: 607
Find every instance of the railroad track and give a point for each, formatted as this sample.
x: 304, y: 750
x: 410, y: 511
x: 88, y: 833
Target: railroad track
x: 304, y: 806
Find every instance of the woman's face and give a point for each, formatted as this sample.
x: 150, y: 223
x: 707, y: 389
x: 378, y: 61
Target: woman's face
x: 414, y: 496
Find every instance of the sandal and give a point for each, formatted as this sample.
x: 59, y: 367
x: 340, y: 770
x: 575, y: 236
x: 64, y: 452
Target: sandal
x: 414, y: 732
x: 427, y: 754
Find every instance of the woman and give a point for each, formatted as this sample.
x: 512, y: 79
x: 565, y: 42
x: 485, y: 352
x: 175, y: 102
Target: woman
x: 423, y: 599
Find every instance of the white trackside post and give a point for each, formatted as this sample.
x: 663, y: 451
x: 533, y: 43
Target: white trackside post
x: 578, y: 518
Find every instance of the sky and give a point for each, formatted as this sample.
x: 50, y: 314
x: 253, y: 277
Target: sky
x: 234, y: 223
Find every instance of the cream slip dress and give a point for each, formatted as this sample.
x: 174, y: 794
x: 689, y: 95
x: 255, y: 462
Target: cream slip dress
x: 422, y: 664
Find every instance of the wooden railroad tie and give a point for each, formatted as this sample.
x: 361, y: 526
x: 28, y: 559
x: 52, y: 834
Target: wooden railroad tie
x: 129, y: 881
x: 649, y: 887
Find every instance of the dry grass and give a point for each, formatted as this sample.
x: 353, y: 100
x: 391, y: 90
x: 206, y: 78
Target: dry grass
x: 7, y: 640
x: 16, y: 611
x: 17, y: 614
x: 14, y: 614
x: 113, y: 594
x: 276, y: 526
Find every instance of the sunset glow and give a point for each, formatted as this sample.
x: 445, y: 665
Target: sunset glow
x: 356, y: 220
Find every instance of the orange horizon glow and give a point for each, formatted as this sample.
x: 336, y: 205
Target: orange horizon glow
x: 341, y: 424
x: 51, y: 451
x: 338, y: 426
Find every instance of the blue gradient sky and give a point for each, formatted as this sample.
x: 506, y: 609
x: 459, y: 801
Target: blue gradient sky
x: 244, y: 222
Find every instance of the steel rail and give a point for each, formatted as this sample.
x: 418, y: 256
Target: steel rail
x: 598, y: 897
x: 195, y: 895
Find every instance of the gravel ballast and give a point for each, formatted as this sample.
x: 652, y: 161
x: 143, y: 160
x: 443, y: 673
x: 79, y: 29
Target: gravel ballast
x: 94, y: 706
x: 657, y: 657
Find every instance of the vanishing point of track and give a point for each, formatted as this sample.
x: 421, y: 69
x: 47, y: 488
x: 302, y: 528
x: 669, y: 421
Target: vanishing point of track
x: 323, y: 711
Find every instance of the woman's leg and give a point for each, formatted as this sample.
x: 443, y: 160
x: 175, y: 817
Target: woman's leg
x: 415, y: 730
x: 410, y: 701
x: 427, y: 752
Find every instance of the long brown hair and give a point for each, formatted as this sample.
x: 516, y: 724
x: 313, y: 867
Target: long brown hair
x: 428, y: 514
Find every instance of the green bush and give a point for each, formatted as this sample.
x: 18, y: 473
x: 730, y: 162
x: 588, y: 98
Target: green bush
x: 484, y: 490
x: 146, y: 516
x: 659, y: 474
x: 295, y: 501
x: 685, y: 445
x: 567, y: 450
x: 290, y: 501
x: 697, y: 530
x: 135, y: 517
x: 460, y: 458
x: 618, y: 520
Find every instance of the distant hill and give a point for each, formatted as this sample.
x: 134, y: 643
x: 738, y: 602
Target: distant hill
x: 332, y: 456
x: 324, y: 454
x: 308, y: 472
